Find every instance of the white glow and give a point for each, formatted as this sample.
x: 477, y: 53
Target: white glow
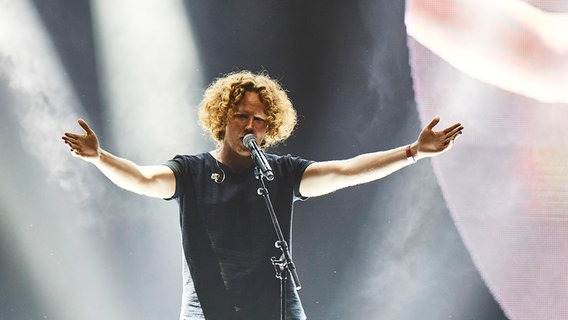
x: 510, y: 44
x: 150, y: 75
x: 61, y: 262
x: 151, y: 85
x: 505, y: 181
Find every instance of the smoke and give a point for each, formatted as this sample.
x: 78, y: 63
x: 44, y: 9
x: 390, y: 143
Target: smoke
x: 151, y: 78
x: 44, y: 107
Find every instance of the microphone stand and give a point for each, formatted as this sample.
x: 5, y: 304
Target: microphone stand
x: 284, y: 265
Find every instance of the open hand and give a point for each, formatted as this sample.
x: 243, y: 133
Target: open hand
x: 431, y: 143
x: 85, y: 146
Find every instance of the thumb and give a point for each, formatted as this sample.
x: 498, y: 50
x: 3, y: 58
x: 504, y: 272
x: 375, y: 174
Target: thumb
x: 433, y: 123
x: 85, y: 126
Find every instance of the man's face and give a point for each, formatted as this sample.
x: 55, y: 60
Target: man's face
x: 249, y: 118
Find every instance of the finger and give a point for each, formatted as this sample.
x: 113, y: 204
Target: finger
x: 76, y: 153
x: 446, y: 141
x: 73, y: 150
x: 450, y: 139
x: 433, y: 123
x: 446, y: 137
x: 71, y: 144
x: 456, y: 131
x: 85, y: 126
x: 457, y: 135
x: 78, y: 150
x: 454, y: 134
x: 70, y: 136
x: 454, y: 128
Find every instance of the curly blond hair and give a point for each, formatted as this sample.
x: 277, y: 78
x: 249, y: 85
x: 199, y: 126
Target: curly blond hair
x: 221, y: 98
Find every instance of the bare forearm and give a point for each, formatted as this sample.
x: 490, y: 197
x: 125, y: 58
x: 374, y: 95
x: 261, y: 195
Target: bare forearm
x: 373, y: 166
x: 146, y: 180
x: 154, y: 181
x: 325, y: 177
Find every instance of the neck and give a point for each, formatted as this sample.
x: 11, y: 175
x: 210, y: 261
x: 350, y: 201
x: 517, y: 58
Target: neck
x: 231, y: 159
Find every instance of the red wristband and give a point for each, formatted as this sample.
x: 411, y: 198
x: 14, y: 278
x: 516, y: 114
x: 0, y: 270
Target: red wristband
x: 409, y: 155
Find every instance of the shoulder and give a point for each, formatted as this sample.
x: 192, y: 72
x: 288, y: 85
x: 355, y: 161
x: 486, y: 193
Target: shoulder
x: 288, y: 162
x: 182, y: 163
x: 194, y: 158
x: 286, y: 158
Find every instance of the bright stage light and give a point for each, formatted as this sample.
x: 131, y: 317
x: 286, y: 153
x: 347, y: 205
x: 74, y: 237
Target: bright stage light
x: 151, y: 78
x: 151, y: 84
x: 46, y: 221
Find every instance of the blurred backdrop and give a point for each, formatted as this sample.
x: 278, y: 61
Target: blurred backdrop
x: 454, y: 238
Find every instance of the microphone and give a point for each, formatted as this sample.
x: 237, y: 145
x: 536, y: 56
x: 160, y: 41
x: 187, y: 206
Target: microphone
x: 216, y: 177
x: 258, y: 156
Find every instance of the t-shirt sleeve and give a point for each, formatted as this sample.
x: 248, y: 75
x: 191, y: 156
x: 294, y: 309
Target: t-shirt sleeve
x: 178, y: 166
x: 298, y: 166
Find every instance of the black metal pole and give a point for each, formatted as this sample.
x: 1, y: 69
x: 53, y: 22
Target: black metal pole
x: 284, y: 265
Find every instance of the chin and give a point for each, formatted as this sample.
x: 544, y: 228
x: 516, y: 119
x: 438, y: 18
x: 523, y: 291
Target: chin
x: 244, y: 151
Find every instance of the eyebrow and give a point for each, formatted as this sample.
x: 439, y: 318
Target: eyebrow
x: 260, y: 115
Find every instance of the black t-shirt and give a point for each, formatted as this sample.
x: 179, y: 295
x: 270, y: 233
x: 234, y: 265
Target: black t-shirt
x: 228, y: 237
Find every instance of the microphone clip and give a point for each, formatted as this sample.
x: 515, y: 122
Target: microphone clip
x: 263, y: 168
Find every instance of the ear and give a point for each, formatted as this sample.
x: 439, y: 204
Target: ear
x: 220, y: 135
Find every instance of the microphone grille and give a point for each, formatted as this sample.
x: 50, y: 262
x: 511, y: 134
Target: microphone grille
x: 248, y: 138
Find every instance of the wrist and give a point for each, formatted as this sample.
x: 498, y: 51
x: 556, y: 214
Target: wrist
x: 99, y: 157
x: 414, y: 148
x: 410, y: 152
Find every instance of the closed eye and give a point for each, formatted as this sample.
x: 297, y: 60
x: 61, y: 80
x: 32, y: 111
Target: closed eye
x: 241, y: 116
x: 260, y: 121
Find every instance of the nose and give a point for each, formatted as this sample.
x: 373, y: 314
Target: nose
x: 249, y: 126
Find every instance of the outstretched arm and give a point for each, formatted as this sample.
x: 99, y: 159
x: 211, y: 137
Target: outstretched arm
x: 324, y: 177
x: 506, y: 43
x: 154, y: 181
